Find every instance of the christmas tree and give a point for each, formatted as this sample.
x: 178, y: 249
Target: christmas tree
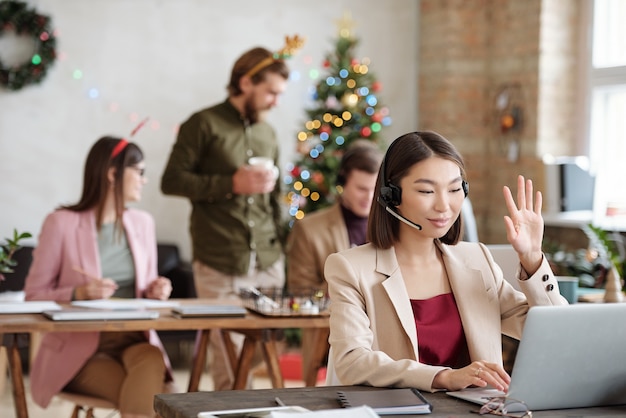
x: 346, y: 108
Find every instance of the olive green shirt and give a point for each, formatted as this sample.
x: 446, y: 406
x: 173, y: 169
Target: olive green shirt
x: 225, y: 228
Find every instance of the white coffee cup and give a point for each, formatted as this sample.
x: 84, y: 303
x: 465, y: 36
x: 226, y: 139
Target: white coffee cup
x: 264, y: 162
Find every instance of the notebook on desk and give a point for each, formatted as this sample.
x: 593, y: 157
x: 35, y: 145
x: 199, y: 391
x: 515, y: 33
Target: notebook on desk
x: 569, y: 357
x: 99, y: 315
x: 23, y: 307
x: 387, y: 401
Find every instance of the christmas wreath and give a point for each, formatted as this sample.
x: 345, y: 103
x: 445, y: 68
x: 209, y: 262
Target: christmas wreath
x: 18, y: 17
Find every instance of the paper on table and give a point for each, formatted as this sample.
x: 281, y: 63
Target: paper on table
x: 356, y: 412
x: 252, y: 412
x: 12, y: 296
x: 34, y: 306
x: 128, y: 304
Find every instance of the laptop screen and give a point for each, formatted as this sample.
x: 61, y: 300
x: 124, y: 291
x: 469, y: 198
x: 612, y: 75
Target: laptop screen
x: 569, y: 357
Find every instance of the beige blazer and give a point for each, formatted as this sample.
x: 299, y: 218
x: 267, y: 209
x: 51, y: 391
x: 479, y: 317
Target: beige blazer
x: 310, y: 241
x: 372, y: 331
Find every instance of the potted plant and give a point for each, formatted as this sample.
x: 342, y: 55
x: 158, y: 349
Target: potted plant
x: 8, y: 249
x: 611, y: 247
x: 583, y: 263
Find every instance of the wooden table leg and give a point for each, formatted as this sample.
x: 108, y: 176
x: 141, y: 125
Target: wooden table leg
x: 4, y: 367
x: 199, y: 361
x: 17, y: 380
x: 231, y: 350
x: 268, y: 345
x: 245, y: 361
x: 319, y: 350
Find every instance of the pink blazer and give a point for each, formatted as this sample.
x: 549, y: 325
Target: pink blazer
x: 69, y: 239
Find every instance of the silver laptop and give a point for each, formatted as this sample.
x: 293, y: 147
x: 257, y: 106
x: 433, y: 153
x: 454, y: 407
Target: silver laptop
x: 192, y: 311
x: 569, y: 357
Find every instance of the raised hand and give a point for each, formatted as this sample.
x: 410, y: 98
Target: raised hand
x: 524, y: 224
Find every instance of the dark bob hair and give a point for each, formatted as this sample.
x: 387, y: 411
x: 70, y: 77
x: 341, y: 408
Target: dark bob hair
x: 404, y: 152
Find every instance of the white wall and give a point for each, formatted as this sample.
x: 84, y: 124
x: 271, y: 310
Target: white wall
x: 167, y: 59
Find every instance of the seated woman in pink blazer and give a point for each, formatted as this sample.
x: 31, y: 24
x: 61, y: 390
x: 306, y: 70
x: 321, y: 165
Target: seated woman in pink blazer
x: 98, y: 248
x: 418, y: 308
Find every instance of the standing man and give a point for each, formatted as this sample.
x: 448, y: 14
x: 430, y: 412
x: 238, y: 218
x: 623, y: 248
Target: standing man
x: 235, y: 220
x: 330, y: 230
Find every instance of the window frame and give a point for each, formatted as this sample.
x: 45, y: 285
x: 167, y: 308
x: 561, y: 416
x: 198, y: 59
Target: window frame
x: 602, y: 80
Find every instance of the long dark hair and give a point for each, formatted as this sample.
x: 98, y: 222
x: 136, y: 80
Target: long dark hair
x: 95, y: 179
x: 407, y: 150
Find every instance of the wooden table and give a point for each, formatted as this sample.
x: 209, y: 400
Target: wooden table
x: 188, y: 405
x: 258, y: 329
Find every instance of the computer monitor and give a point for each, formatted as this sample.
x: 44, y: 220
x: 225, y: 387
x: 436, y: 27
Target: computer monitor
x: 569, y: 185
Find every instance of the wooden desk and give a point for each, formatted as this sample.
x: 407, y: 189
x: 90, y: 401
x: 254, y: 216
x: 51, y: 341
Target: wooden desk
x: 188, y: 405
x: 257, y: 329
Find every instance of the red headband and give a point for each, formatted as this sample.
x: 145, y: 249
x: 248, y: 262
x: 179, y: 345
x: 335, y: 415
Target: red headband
x: 119, y: 147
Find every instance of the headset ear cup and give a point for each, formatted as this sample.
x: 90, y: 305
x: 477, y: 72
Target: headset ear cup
x: 386, y: 195
x: 396, y: 194
x: 391, y: 194
x: 465, y: 186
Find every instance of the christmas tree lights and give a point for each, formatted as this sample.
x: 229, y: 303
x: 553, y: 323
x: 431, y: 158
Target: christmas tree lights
x: 346, y: 108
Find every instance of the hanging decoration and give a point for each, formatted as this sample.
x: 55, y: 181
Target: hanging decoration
x: 509, y: 119
x: 16, y: 16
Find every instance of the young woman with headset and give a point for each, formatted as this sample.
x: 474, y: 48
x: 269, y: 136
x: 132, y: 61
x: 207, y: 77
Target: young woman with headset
x: 417, y: 307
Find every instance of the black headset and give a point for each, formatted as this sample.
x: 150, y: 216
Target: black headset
x: 390, y: 194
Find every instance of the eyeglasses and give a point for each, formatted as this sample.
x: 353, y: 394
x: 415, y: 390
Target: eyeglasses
x: 505, y: 407
x: 139, y: 170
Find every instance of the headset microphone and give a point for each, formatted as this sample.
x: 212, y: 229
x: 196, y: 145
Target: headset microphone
x: 399, y: 217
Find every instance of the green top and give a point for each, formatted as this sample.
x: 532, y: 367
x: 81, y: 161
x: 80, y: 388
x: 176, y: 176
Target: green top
x: 225, y: 228
x: 116, y: 260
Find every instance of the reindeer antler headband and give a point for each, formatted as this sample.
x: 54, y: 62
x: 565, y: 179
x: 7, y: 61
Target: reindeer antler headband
x: 292, y: 45
x: 119, y: 147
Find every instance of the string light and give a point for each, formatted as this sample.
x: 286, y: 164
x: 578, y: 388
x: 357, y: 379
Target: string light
x: 94, y: 92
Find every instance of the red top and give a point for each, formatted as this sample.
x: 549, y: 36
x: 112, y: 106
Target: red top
x: 440, y: 335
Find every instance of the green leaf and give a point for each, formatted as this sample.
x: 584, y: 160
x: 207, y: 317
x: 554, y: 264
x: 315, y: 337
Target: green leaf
x: 7, y: 250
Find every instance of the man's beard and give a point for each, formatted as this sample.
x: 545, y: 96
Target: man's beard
x: 250, y: 112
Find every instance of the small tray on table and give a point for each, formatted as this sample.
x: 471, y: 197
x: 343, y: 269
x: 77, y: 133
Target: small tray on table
x: 275, y: 301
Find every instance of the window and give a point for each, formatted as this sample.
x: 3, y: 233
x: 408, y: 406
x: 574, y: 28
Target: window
x: 607, y: 102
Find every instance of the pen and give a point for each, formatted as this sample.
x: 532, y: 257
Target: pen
x: 81, y: 271
x: 279, y: 401
x: 108, y: 283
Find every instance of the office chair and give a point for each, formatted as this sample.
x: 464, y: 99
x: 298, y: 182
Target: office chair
x: 87, y: 403
x: 470, y: 231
